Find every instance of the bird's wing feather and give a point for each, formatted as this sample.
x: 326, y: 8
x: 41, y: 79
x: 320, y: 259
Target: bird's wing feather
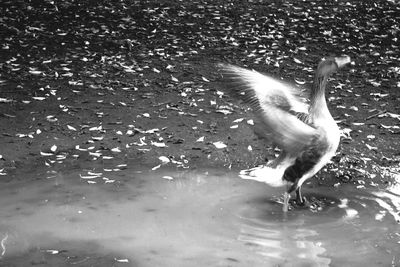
x: 276, y: 104
x: 266, y: 89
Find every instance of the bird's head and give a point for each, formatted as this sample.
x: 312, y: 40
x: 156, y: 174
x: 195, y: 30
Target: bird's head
x: 330, y: 65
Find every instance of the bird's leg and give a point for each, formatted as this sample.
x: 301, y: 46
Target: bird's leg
x: 301, y: 201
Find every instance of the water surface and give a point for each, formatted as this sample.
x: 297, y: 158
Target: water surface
x: 190, y: 218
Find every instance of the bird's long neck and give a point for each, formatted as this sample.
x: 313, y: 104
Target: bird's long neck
x: 318, y: 107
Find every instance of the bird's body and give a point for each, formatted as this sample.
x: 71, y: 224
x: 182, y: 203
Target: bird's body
x: 306, y: 134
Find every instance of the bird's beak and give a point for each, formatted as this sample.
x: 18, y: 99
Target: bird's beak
x: 342, y: 61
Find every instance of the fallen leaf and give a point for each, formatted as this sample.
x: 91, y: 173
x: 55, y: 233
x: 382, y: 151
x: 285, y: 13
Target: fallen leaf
x: 122, y: 260
x: 53, y: 148
x: 51, y: 118
x: 39, y: 98
x: 158, y: 144
x: 95, y: 154
x: 219, y: 145
x: 390, y: 127
x: 88, y: 176
x: 98, y: 128
x: 71, y: 128
x: 392, y: 115
x: 116, y: 149
x: 297, y: 61
x: 156, y: 167
x: 35, y: 72
x: 164, y: 159
x: 298, y: 81
x: 5, y: 100
x: 371, y: 147
x: 201, y: 139
x: 238, y: 120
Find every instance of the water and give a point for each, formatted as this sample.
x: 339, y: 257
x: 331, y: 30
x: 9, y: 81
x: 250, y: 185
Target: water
x: 190, y: 218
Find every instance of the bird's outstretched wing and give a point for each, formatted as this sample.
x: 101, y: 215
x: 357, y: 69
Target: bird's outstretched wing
x: 277, y: 106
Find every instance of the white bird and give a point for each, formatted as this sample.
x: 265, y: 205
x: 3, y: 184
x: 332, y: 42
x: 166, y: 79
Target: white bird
x: 306, y: 134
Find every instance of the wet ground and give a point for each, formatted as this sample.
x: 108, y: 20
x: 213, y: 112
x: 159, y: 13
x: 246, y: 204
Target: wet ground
x: 191, y: 218
x: 120, y: 142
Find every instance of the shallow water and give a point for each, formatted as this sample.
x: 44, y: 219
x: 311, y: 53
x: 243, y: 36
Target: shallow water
x: 191, y: 218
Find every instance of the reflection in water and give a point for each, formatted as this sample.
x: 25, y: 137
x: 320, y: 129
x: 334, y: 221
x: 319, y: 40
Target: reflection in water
x: 288, y: 244
x: 192, y: 219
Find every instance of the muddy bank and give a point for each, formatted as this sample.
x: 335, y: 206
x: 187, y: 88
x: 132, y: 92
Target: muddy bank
x: 137, y: 84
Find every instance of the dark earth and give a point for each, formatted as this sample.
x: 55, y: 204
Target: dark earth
x: 124, y: 83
